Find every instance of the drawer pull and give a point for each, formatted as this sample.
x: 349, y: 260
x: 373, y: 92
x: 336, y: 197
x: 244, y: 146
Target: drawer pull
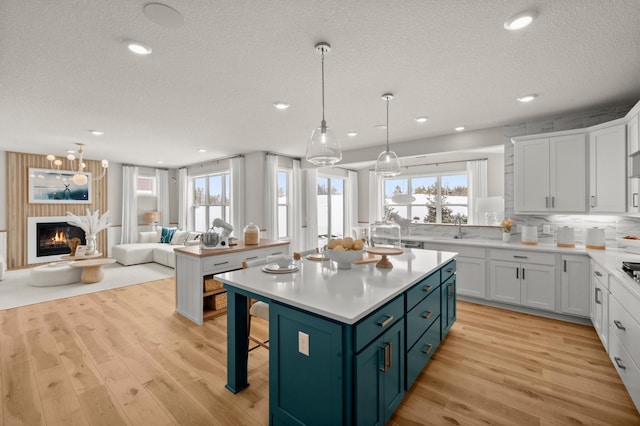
x: 619, y: 325
x: 427, y: 288
x: 427, y: 315
x: 386, y: 322
x: 520, y: 257
x: 427, y: 349
x: 251, y: 258
x: 221, y: 263
x: 450, y: 270
x: 597, y: 299
x: 597, y: 273
x: 619, y: 363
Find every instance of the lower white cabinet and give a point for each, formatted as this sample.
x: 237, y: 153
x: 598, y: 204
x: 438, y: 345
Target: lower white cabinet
x: 470, y: 268
x: 575, y: 285
x: 516, y: 279
x: 600, y: 303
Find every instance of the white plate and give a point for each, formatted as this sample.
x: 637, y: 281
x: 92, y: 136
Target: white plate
x: 275, y: 269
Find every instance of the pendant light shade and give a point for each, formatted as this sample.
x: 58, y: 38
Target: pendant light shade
x: 323, y: 148
x: 387, y: 164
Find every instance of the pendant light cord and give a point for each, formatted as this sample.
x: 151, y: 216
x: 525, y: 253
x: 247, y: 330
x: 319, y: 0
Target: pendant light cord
x: 387, y: 124
x: 322, y: 55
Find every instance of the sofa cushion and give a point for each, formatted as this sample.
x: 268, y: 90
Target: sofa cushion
x: 167, y: 234
x: 149, y: 237
x: 133, y: 254
x: 193, y: 236
x: 164, y: 255
x: 179, y: 238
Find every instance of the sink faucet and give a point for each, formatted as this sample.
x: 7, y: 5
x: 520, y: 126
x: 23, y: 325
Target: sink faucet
x: 457, y: 220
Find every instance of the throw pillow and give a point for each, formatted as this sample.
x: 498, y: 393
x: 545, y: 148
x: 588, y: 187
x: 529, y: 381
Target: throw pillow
x: 167, y: 234
x: 193, y: 236
x: 179, y: 238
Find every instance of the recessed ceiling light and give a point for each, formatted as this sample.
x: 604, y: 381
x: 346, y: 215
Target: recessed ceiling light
x: 202, y: 150
x: 421, y: 119
x: 526, y: 98
x: 281, y: 105
x: 163, y: 15
x: 160, y: 162
x: 459, y: 128
x: 520, y: 20
x: 352, y: 134
x: 96, y: 132
x: 137, y: 47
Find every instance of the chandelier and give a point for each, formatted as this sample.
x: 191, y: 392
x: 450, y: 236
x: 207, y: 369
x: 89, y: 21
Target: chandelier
x: 323, y: 148
x: 80, y: 178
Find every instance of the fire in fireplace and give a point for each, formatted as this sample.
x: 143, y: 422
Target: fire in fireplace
x: 53, y: 238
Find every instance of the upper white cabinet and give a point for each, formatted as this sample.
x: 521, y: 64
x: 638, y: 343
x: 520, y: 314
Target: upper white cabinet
x: 607, y: 169
x: 550, y: 174
x: 633, y: 145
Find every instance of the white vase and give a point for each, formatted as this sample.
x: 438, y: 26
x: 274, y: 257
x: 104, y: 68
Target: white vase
x: 91, y: 243
x: 506, y: 237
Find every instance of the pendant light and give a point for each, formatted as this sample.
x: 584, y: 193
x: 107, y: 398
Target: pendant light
x: 387, y: 164
x: 323, y: 148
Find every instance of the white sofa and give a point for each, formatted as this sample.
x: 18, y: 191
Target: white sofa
x: 150, y: 249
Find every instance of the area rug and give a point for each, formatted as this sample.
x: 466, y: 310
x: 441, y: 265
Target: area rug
x: 15, y: 289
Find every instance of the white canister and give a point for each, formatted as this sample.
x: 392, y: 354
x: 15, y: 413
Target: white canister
x: 595, y: 239
x: 566, y: 237
x: 529, y: 235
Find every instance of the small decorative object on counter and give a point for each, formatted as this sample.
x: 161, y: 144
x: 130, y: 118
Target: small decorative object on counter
x: 529, y: 235
x: 566, y: 237
x: 251, y: 234
x: 506, y: 230
x: 595, y: 239
x: 385, y: 234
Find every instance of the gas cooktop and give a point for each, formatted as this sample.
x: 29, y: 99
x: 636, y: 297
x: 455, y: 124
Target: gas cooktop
x: 632, y: 269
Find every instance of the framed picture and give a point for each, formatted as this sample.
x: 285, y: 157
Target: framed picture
x: 80, y: 251
x: 56, y: 187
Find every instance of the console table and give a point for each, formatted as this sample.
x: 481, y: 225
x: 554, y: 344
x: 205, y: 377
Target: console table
x: 195, y: 264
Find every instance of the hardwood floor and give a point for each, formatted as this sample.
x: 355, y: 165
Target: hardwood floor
x: 124, y: 356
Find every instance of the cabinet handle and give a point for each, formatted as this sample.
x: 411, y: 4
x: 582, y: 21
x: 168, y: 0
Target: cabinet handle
x: 619, y: 325
x: 635, y: 199
x: 276, y: 252
x: 386, y: 322
x: 546, y: 202
x: 598, y: 301
x: 390, y: 354
x: 427, y: 315
x: 451, y: 291
x: 553, y: 202
x: 520, y: 257
x: 517, y: 273
x: 597, y: 273
x: 427, y: 288
x: 427, y: 349
x: 384, y: 362
x: 221, y: 263
x: 251, y: 258
x: 593, y: 201
x: 523, y: 273
x: 565, y: 265
x: 619, y: 363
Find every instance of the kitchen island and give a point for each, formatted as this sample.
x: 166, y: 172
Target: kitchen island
x: 345, y: 345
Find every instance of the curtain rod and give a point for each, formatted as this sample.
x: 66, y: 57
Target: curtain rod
x: 216, y: 161
x: 145, y: 167
x: 284, y: 155
x: 437, y: 163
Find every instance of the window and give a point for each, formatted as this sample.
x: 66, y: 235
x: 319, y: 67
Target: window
x: 211, y: 199
x: 428, y: 199
x: 146, y: 185
x: 330, y: 198
x: 284, y: 179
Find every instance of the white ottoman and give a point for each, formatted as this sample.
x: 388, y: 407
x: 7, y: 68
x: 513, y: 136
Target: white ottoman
x: 59, y: 273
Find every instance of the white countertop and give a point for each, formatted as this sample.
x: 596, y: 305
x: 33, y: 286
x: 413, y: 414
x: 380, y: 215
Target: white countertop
x: 343, y: 295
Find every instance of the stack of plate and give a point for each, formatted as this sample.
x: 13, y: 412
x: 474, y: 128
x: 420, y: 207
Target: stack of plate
x: 273, y: 268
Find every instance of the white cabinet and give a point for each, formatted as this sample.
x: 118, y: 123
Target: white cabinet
x: 600, y: 303
x: 470, y: 268
x: 550, y: 174
x: 575, y: 285
x: 607, y: 169
x: 633, y: 183
x: 525, y: 278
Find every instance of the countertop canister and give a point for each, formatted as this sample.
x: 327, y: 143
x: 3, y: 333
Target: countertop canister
x: 529, y: 235
x: 566, y: 237
x: 595, y: 239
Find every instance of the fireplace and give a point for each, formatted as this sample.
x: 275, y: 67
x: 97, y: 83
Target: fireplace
x: 53, y: 238
x: 48, y: 238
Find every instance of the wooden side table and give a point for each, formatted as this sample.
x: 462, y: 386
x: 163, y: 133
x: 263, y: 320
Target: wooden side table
x: 91, y: 269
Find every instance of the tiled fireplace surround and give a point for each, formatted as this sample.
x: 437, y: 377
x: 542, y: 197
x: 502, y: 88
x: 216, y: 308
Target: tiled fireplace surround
x: 615, y: 226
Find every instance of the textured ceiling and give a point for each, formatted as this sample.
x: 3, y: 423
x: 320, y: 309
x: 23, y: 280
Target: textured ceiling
x: 212, y: 82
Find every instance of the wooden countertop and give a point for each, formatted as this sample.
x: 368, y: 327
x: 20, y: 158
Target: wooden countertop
x: 196, y: 251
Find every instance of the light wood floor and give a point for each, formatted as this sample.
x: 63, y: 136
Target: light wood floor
x: 124, y: 356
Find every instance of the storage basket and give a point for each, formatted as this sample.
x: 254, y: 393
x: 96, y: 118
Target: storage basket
x: 216, y: 302
x: 210, y: 284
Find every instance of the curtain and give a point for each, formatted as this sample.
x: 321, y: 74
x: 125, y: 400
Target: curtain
x: 129, y: 205
x: 477, y: 175
x: 162, y: 176
x: 351, y: 203
x: 236, y: 166
x: 183, y: 199
x: 297, y: 237
x: 311, y: 190
x: 376, y: 197
x: 271, y: 197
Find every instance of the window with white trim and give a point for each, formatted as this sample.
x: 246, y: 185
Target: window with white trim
x: 330, y: 199
x: 211, y: 199
x: 284, y: 200
x: 146, y: 185
x: 428, y: 198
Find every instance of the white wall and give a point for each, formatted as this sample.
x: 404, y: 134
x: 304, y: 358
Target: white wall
x: 3, y: 190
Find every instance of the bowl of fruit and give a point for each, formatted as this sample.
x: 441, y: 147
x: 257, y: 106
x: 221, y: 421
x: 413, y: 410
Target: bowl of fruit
x: 344, y: 251
x: 630, y: 243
